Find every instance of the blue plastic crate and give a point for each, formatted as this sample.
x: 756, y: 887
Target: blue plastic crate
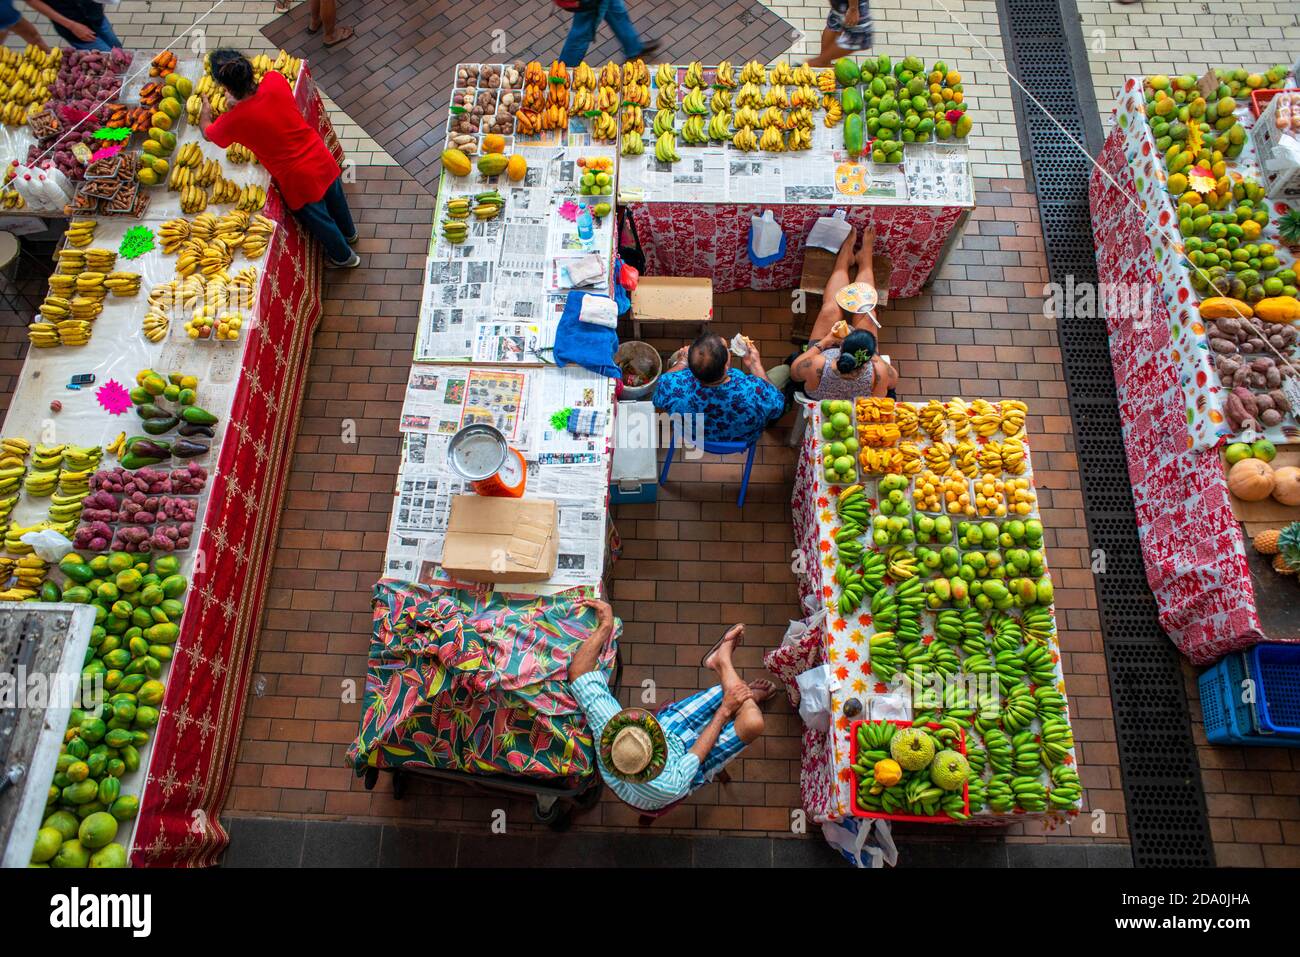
x: 1227, y: 718
x: 1275, y: 670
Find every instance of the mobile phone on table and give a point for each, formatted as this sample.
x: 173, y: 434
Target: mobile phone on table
x: 84, y: 378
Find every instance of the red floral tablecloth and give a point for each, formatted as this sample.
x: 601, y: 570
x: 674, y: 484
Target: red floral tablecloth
x: 197, y: 741
x: 712, y: 240
x: 1193, y: 547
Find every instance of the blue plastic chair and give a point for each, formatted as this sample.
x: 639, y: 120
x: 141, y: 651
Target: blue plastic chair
x: 716, y: 448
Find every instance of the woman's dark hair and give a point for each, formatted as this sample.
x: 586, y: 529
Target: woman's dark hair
x: 232, y: 70
x: 708, y: 358
x: 855, y: 351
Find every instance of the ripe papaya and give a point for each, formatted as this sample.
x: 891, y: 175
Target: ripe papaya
x: 456, y: 162
x: 492, y: 164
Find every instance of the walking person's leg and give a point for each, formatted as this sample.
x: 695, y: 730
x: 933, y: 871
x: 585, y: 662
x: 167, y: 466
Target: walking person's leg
x: 620, y: 22
x: 581, y: 32
x: 316, y: 217
x: 337, y: 204
x: 27, y: 30
x: 324, y: 13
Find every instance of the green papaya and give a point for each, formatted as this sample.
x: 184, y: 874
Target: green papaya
x: 846, y: 72
x: 853, y: 134
x: 196, y: 416
x: 851, y: 101
x: 79, y: 572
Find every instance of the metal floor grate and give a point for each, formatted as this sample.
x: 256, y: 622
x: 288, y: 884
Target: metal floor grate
x: 1164, y: 800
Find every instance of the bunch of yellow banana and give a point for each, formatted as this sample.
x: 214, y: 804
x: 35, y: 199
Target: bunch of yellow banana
x: 806, y: 96
x: 604, y: 127
x: 173, y: 233
x: 193, y: 107
x: 224, y: 191
x: 86, y: 308
x: 217, y: 101
x: 193, y: 199
x: 13, y: 456
x: 753, y: 72
x: 155, y: 326
x: 81, y: 232
x: 177, y: 292
x: 607, y: 99
x: 63, y: 285
x: 78, y: 458
x: 638, y: 94
x: 633, y: 145
x: 747, y: 116
x: 633, y: 121
x: 826, y: 80
x: 725, y: 75
x: 217, y: 255
x: 834, y: 112
x: 968, y: 458
x: 7, y: 507
x: 666, y: 98
x: 71, y: 261
x: 958, y: 414
x: 801, y: 139
x: 181, y: 178
x: 122, y: 284
x: 985, y: 417
x: 666, y: 148
x: 772, y: 140
x: 55, y: 308
x: 74, y: 332
x: 207, y: 172
x: 665, y: 75
x: 635, y: 71
x: 243, y: 288
x: 206, y: 84
x: 990, y: 457
x: 745, y: 139
x: 906, y: 420
x: 664, y: 122
x: 937, y: 456
x: 258, y: 236
x: 43, y: 335
x: 187, y: 263
x: 203, y: 227
x: 12, y: 199
x: 773, y: 119
x: 584, y: 77
x: 41, y: 483
x: 28, y: 572
x: 118, y: 446
x: 912, y: 458
x: 91, y: 285
x: 694, y: 102
x: 800, y: 119
x: 190, y: 155
x: 720, y: 102
x: 13, y: 114
x: 932, y: 419
x: 750, y: 94
x: 610, y: 75
x: 1013, y: 416
x: 720, y: 127
x: 584, y: 100
x: 288, y: 66
x: 694, y: 75
x: 777, y: 96
x: 694, y: 131
x: 230, y: 228
x: 1013, y: 456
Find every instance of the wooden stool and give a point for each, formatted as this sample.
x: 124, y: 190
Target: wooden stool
x: 673, y: 301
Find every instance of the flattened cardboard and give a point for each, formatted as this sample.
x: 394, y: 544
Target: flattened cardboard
x: 506, y: 540
x: 1269, y: 513
x: 673, y: 299
x: 817, y: 266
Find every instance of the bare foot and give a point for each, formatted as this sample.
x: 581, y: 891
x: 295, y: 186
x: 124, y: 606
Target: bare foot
x: 845, y: 255
x: 341, y: 34
x: 762, y: 689
x: 733, y: 636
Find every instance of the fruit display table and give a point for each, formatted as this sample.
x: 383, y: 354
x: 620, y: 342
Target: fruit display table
x: 1173, y: 383
x: 920, y: 535
x: 223, y: 501
x: 692, y: 201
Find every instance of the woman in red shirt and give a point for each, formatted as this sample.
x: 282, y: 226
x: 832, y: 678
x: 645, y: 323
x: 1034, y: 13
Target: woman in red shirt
x: 266, y: 120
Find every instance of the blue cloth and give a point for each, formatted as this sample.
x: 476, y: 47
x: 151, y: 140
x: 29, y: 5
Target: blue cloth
x: 737, y: 410
x: 685, y: 719
x: 583, y: 31
x: 330, y: 221
x: 586, y: 421
x: 583, y: 343
x: 9, y: 14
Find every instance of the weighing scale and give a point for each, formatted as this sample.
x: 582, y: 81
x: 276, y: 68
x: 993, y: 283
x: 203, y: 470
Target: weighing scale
x: 480, y: 454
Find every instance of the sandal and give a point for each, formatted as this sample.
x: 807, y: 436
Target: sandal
x: 739, y: 640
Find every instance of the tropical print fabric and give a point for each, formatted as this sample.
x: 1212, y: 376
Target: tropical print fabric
x: 475, y: 681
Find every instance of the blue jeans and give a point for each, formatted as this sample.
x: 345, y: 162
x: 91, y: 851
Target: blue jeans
x: 583, y: 31
x: 105, y: 39
x: 330, y: 221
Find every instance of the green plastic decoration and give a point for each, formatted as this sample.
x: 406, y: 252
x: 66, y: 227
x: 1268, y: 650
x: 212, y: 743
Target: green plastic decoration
x: 137, y: 241
x: 113, y: 134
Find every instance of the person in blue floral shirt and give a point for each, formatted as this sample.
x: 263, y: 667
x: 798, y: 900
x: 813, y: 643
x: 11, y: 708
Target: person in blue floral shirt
x: 735, y: 405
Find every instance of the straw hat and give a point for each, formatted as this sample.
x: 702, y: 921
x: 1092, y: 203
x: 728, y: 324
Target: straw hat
x: 632, y: 746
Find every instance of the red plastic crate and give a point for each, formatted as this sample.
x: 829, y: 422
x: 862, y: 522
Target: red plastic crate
x: 1259, y: 99
x: 920, y: 818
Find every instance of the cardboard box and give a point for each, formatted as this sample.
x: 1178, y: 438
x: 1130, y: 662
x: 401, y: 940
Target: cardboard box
x: 673, y: 299
x: 500, y: 539
x: 1280, y: 185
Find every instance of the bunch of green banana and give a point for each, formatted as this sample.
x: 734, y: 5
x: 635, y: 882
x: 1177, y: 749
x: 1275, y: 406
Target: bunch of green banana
x: 694, y: 102
x: 948, y: 734
x: 902, y: 563
x: 7, y: 507
x: 1027, y: 755
x: 694, y: 130
x: 45, y: 457
x: 851, y: 509
x: 1011, y: 670
x: 923, y: 797
x: 956, y: 706
x: 975, y: 793
x: 973, y: 641
x: 953, y: 804
x: 943, y: 659
x: 873, y: 571
x: 11, y: 476
x: 488, y: 205
x: 998, y: 794
x: 916, y: 663
x: 720, y: 102
x: 884, y: 610
x: 1037, y: 657
x: 666, y: 148
x: 852, y: 590
x: 66, y: 507
x: 1057, y: 739
x: 1031, y: 794
x: 455, y: 231
x: 1067, y: 790
x: 633, y: 145
x: 947, y: 626
x: 1020, y: 709
x: 883, y: 650
x: 977, y: 758
x: 1007, y: 635
x: 14, y: 533
x: 1038, y: 623
x: 40, y: 484
x: 664, y: 122
x: 79, y: 458
x: 875, y: 736
x: 75, y: 483
x: 998, y: 747
x: 1051, y: 703
x: 458, y: 208
x: 720, y: 126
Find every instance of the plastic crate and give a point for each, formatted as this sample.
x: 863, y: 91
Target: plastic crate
x: 1276, y: 673
x: 1227, y: 718
x: 1259, y: 99
x: 940, y: 818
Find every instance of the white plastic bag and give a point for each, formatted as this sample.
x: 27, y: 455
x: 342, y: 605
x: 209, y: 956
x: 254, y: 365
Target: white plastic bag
x: 48, y: 544
x: 765, y: 236
x: 795, y: 631
x: 894, y: 706
x: 829, y: 232
x: 815, y: 697
x: 863, y: 842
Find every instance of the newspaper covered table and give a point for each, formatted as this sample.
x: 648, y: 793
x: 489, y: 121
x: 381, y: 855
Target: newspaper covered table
x: 1170, y: 401
x: 693, y: 216
x: 827, y: 779
x: 254, y: 385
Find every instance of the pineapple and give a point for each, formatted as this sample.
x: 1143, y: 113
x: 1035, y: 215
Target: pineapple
x: 1281, y: 567
x: 1288, y: 546
x: 1266, y: 542
x: 1289, y: 227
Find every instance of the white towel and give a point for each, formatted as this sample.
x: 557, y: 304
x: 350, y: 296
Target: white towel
x: 599, y: 311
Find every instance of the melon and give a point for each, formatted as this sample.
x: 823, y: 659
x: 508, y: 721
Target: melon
x: 1286, y: 485
x: 1251, y: 480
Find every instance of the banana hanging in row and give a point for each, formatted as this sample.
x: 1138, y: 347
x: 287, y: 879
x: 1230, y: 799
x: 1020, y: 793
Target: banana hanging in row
x: 745, y: 139
x: 753, y: 72
x: 666, y: 148
x: 694, y: 75
x: 725, y: 75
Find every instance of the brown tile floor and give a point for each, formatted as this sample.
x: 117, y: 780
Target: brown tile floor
x: 394, y: 76
x: 692, y: 562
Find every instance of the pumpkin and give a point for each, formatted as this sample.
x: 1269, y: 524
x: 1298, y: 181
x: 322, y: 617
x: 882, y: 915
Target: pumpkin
x: 1286, y: 485
x: 887, y: 772
x: 517, y: 168
x: 1251, y: 480
x: 1224, y: 307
